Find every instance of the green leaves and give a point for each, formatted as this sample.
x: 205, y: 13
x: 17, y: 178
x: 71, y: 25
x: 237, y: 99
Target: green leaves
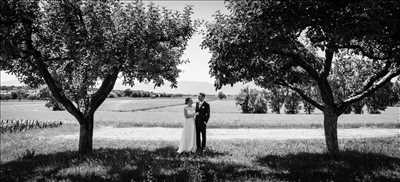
x: 271, y: 42
x: 83, y: 42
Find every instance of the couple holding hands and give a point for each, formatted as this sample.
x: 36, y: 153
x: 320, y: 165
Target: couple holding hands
x: 193, y: 137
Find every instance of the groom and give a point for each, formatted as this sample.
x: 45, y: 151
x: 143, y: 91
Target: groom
x: 203, y: 114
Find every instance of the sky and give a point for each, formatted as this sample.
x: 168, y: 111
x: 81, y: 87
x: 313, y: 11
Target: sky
x: 196, y: 70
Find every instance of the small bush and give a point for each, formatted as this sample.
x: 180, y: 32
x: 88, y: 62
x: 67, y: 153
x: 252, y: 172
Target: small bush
x: 292, y: 103
x: 380, y: 99
x: 221, y: 95
x: 14, y: 95
x: 33, y: 97
x: 252, y: 101
x: 127, y: 92
x: 5, y: 96
x: 19, y: 94
x: 347, y: 110
x: 44, y: 93
x: 112, y: 95
x: 29, y: 154
x: 308, y: 108
x: 358, y: 107
x: 260, y: 104
x: 54, y: 105
x: 395, y: 97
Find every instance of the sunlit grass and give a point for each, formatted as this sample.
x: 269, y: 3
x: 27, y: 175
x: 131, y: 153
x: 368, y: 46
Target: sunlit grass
x: 376, y: 159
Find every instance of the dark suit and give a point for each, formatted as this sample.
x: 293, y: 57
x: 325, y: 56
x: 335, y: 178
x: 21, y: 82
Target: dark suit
x: 201, y: 119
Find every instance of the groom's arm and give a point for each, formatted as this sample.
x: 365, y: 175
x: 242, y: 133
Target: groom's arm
x: 207, y: 112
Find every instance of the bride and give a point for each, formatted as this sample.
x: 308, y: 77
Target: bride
x: 188, y: 138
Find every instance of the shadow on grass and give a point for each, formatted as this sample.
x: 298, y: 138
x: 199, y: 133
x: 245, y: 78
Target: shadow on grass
x: 126, y: 164
x: 346, y: 166
x: 163, y: 164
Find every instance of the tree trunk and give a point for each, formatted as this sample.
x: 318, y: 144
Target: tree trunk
x: 86, y: 135
x: 330, y: 126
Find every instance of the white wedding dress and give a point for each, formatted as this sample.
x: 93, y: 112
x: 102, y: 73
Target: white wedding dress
x: 188, y: 138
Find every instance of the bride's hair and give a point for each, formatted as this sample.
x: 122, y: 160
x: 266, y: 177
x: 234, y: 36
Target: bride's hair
x: 187, y: 100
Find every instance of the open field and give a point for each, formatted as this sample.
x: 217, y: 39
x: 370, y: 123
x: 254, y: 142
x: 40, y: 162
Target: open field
x: 35, y: 155
x: 224, y: 114
x: 237, y: 151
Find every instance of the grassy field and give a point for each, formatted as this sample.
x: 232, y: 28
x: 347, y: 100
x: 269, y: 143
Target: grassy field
x: 166, y: 112
x: 35, y: 155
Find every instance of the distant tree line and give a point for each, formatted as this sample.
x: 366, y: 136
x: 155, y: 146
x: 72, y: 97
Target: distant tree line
x: 26, y: 93
x: 23, y: 92
x: 12, y: 87
x: 20, y: 93
x: 140, y: 93
x: 259, y: 101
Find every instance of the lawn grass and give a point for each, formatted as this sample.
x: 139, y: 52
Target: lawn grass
x: 35, y: 156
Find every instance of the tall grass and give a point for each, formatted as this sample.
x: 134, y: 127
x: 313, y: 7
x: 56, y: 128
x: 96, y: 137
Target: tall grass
x: 23, y: 125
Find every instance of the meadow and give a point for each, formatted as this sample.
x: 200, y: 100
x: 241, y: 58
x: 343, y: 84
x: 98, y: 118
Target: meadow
x: 40, y: 155
x: 35, y: 155
x: 167, y: 112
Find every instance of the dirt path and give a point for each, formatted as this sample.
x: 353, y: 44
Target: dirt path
x: 172, y: 134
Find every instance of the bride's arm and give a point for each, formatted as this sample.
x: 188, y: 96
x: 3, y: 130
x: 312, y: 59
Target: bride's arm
x: 187, y: 115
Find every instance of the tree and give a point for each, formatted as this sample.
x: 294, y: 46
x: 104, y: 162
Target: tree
x: 396, y: 93
x: 357, y: 107
x: 379, y: 101
x: 312, y: 92
x: 127, y: 92
x: 14, y: 95
x: 72, y: 46
x: 19, y: 94
x: 260, y: 103
x: 292, y: 103
x: 308, y: 108
x: 343, y: 81
x: 294, y: 43
x: 221, y: 95
x: 252, y: 101
x: 243, y: 99
x: 276, y: 97
x: 44, y: 93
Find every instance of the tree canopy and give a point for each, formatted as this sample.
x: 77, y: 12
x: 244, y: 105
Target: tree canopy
x: 75, y: 46
x: 283, y: 41
x: 297, y: 43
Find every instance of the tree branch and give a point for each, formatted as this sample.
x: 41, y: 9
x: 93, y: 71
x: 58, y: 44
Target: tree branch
x: 369, y: 82
x: 38, y: 63
x: 299, y: 59
x: 101, y: 94
x: 302, y: 94
x: 374, y: 86
x: 328, y: 62
x: 59, y: 59
x: 57, y: 92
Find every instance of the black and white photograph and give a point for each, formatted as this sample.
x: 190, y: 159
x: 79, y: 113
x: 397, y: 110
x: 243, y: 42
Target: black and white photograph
x: 200, y: 90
